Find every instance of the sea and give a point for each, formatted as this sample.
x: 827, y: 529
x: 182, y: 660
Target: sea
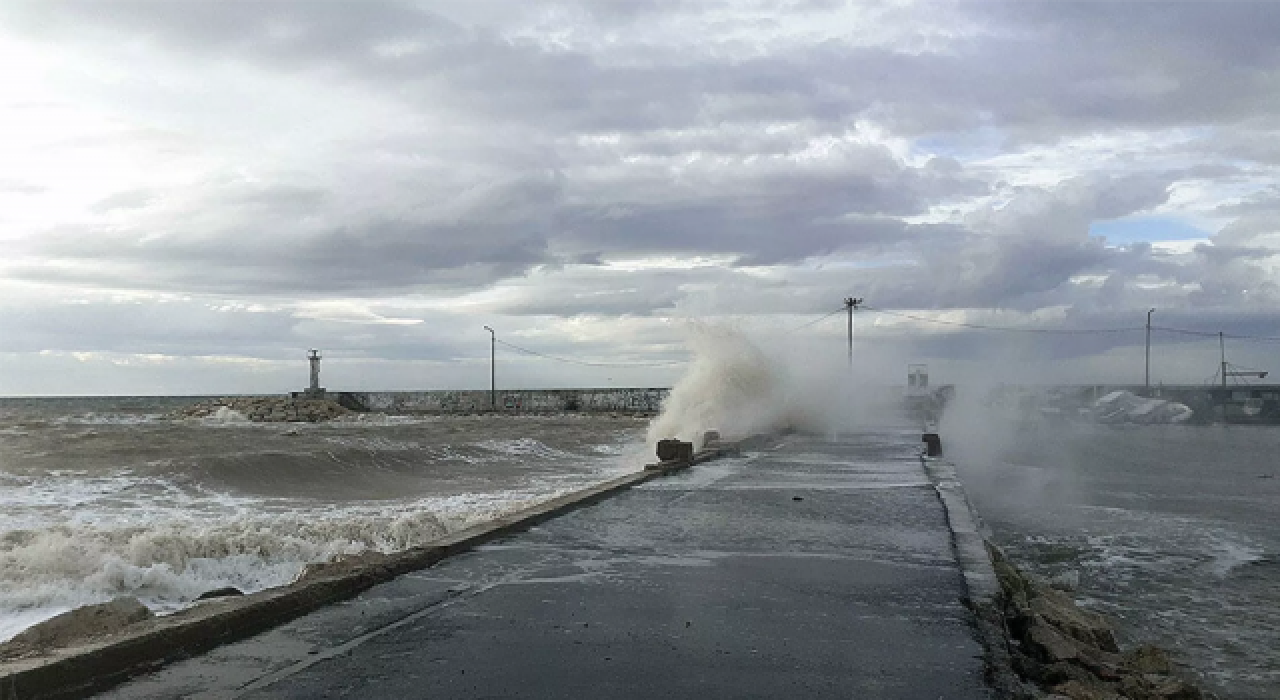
x: 1171, y: 530
x: 108, y: 497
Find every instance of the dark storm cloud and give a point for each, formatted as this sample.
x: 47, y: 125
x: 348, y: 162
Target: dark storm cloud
x: 498, y: 239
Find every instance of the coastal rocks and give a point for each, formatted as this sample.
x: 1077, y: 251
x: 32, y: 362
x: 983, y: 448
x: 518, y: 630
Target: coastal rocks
x: 1072, y: 653
x: 265, y: 409
x: 74, y: 626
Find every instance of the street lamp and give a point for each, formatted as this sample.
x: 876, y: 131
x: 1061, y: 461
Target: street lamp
x: 493, y: 374
x: 1147, y: 381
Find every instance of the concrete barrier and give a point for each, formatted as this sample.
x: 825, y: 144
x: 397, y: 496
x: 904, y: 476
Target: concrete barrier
x: 94, y: 666
x: 968, y: 539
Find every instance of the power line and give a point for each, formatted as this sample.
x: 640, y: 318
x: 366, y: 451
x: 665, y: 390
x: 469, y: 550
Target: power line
x: 1006, y: 329
x: 1214, y: 334
x: 816, y: 321
x: 535, y: 353
x: 1075, y: 331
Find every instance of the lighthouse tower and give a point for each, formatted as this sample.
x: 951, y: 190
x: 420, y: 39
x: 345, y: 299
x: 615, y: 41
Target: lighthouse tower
x: 315, y: 391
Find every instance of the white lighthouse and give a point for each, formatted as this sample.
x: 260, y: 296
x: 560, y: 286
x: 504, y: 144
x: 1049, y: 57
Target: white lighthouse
x: 315, y: 390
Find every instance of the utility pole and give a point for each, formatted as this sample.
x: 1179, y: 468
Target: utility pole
x: 1232, y: 373
x: 1222, y: 346
x: 851, y: 304
x: 1147, y: 382
x: 493, y: 371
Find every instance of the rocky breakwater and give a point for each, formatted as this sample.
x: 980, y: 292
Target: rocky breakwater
x: 1072, y: 653
x: 265, y: 409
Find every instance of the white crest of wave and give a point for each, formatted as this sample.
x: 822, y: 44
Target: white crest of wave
x: 167, y: 564
x: 225, y: 414
x: 735, y: 387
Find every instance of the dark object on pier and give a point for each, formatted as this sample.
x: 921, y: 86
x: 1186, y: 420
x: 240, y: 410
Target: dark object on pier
x: 228, y: 592
x: 932, y: 444
x: 675, y: 451
x: 710, y: 437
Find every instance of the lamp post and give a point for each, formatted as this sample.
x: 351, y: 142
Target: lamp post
x: 493, y: 373
x: 1147, y: 380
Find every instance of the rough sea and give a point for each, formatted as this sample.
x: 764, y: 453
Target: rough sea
x: 1173, y: 531
x: 102, y: 498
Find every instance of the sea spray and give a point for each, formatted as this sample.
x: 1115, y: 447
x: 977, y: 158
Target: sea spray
x: 736, y: 387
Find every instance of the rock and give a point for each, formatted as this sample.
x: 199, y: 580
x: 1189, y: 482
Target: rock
x: 1059, y: 610
x: 77, y: 625
x: 1077, y: 690
x: 227, y: 592
x: 1048, y: 645
x: 1158, y: 687
x: 1147, y: 659
x: 268, y: 409
x: 1011, y: 580
x: 1047, y: 675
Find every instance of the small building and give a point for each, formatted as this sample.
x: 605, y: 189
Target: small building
x: 917, y: 381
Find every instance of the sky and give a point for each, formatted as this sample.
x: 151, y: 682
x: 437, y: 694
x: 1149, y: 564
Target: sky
x: 192, y: 194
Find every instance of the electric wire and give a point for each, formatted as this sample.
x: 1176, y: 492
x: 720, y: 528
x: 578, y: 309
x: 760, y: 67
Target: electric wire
x: 1215, y: 334
x: 1006, y: 329
x: 816, y: 321
x: 923, y: 319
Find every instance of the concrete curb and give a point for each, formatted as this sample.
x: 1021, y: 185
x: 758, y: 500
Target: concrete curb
x: 980, y: 579
x: 966, y: 530
x: 79, y: 671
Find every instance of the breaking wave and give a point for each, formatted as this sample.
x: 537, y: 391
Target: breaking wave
x: 164, y: 510
x: 733, y: 386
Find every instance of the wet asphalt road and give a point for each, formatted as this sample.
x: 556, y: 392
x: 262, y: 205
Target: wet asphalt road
x: 820, y: 568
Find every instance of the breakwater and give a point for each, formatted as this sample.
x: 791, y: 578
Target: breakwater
x: 638, y: 401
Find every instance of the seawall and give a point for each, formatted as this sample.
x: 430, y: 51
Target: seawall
x: 644, y: 401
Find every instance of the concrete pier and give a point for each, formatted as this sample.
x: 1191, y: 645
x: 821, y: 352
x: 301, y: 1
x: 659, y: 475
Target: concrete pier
x: 816, y: 568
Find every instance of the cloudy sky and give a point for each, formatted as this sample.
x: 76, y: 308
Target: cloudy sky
x: 192, y: 194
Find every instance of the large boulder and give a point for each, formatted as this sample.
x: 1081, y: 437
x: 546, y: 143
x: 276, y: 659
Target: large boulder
x: 1059, y: 610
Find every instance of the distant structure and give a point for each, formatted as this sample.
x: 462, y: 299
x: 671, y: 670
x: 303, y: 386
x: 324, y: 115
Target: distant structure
x: 315, y: 390
x: 917, y: 381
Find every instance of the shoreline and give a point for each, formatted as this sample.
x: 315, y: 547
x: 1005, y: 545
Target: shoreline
x: 1038, y: 642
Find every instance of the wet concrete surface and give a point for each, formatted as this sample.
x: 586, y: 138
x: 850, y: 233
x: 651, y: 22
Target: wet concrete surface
x: 818, y: 568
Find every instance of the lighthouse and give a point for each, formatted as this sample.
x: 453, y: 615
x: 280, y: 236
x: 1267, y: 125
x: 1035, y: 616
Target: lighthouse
x: 315, y: 390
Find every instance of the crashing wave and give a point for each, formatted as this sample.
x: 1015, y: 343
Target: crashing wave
x: 1128, y: 407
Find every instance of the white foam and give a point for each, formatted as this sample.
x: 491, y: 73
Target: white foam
x: 68, y: 540
x: 225, y: 415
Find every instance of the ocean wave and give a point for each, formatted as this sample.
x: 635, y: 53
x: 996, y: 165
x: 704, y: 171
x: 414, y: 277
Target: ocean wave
x: 108, y: 418
x: 166, y: 563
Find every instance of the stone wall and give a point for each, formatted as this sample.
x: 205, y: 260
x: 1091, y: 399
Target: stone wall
x: 643, y: 401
